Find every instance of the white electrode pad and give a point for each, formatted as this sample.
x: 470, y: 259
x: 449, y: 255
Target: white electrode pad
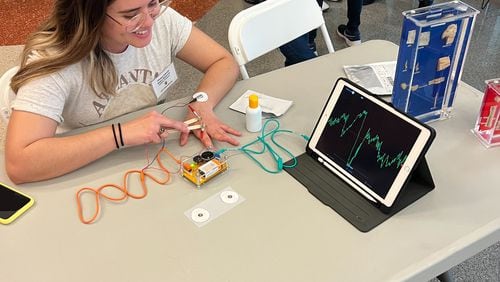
x: 213, y: 207
x: 200, y: 96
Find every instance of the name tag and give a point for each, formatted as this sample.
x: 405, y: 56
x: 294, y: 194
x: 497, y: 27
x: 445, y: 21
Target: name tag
x: 164, y: 80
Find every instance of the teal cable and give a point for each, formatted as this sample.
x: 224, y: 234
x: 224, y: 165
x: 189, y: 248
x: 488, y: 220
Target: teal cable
x: 266, y: 147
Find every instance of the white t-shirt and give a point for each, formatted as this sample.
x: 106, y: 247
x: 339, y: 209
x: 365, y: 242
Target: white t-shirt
x: 66, y: 97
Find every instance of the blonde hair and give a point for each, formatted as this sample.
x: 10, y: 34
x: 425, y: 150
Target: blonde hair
x: 71, y: 34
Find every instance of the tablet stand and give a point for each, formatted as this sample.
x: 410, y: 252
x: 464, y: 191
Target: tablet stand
x: 351, y: 205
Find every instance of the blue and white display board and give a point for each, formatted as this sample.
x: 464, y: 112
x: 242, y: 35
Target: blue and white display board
x: 434, y: 42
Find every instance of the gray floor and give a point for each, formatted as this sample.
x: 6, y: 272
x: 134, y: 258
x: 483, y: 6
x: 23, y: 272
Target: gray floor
x: 382, y: 20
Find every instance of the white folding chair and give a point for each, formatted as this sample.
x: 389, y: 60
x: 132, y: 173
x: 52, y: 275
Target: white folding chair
x: 264, y: 27
x: 6, y: 93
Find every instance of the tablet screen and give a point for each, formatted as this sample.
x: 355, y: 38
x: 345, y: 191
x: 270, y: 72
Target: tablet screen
x: 367, y: 141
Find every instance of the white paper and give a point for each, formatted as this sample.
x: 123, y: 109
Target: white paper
x: 267, y: 103
x: 378, y: 78
x: 166, y: 78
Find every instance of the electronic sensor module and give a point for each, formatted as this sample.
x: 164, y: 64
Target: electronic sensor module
x: 203, y: 166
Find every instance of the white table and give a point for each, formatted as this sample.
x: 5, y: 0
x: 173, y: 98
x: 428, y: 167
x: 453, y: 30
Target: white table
x: 280, y: 232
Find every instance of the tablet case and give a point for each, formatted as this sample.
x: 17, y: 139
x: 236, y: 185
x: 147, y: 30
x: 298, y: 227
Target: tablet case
x: 346, y: 201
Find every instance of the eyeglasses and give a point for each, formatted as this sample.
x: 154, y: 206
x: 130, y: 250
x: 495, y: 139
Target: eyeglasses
x: 134, y: 23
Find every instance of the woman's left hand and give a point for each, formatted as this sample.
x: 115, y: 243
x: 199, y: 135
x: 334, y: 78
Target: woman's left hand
x: 214, y: 129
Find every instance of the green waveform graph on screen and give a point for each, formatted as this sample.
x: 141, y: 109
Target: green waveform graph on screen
x: 383, y: 159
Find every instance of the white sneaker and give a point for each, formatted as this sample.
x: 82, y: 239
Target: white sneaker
x: 325, y: 7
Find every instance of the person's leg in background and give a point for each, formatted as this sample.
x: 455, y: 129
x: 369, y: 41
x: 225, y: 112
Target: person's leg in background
x: 350, y: 32
x: 312, y: 41
x: 421, y: 3
x: 297, y: 50
x: 425, y: 3
x: 302, y: 48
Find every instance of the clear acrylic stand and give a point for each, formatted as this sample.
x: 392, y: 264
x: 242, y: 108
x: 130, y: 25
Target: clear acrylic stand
x: 434, y: 43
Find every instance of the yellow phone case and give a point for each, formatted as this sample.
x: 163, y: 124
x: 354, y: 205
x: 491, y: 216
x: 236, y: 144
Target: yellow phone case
x: 21, y: 210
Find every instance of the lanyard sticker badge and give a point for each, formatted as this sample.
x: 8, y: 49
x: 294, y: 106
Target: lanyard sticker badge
x: 164, y: 80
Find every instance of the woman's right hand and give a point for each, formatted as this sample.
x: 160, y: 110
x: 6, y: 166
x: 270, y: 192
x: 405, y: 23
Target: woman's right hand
x: 150, y: 128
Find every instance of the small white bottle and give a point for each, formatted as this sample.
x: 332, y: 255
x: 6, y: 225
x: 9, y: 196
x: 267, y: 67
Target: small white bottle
x: 253, y: 114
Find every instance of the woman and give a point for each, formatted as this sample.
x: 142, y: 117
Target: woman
x: 94, y: 60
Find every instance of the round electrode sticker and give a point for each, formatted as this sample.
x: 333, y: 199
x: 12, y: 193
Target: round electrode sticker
x: 200, y: 215
x: 229, y: 197
x: 200, y: 96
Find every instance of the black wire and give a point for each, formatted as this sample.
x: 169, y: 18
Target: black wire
x: 177, y: 106
x: 163, y: 140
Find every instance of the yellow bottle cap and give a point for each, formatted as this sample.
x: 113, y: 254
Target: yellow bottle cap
x: 253, y: 101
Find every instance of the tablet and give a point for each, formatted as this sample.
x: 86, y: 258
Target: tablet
x: 368, y: 143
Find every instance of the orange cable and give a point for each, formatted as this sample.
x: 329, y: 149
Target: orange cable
x: 143, y: 174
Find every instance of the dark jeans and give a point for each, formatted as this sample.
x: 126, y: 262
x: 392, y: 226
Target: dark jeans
x: 354, y: 16
x: 425, y: 3
x: 299, y: 49
x: 302, y: 48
